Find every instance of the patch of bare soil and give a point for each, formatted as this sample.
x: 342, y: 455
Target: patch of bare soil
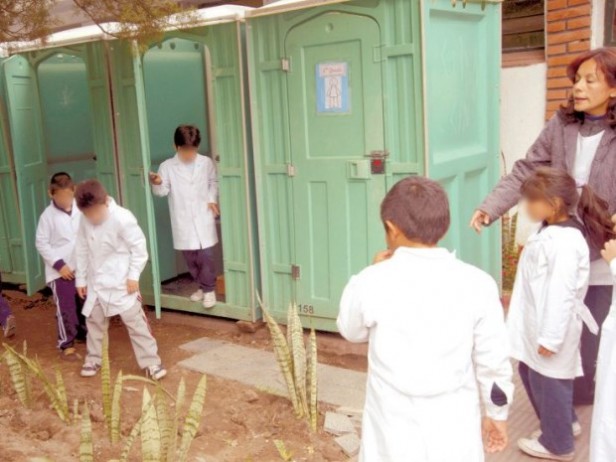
x: 239, y: 423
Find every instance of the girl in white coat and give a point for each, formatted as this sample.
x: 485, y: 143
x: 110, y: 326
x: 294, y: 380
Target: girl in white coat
x: 547, y: 308
x: 603, y: 436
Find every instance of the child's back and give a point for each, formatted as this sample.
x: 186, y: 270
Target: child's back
x: 436, y: 329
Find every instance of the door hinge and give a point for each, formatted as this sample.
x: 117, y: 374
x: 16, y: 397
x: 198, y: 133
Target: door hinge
x: 291, y: 170
x: 295, y: 272
x: 285, y: 64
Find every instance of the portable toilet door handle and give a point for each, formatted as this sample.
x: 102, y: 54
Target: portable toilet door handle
x: 377, y: 161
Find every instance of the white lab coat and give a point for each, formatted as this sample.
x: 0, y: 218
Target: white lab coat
x: 547, y: 305
x: 190, y: 190
x: 603, y: 434
x: 107, y: 256
x: 436, y: 331
x: 55, y: 238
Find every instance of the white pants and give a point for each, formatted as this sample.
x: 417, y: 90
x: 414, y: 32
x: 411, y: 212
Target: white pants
x: 144, y: 344
x: 603, y: 432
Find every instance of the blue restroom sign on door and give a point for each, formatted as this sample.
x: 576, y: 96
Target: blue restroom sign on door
x: 332, y: 88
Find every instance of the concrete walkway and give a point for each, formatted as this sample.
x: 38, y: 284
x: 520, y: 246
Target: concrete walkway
x: 259, y: 369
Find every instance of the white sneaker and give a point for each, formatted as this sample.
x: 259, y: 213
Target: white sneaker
x: 534, y: 448
x: 156, y: 372
x: 197, y: 296
x: 575, y: 426
x: 209, y: 300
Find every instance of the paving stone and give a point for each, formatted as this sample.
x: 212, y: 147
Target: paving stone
x: 259, y: 369
x: 338, y: 424
x: 349, y: 443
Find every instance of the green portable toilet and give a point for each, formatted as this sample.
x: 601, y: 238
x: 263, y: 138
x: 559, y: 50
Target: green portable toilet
x: 346, y: 99
x: 56, y: 116
x: 193, y: 76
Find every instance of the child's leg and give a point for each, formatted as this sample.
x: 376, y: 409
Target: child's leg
x: 202, y: 267
x: 82, y: 328
x: 524, y: 371
x: 554, y: 399
x: 64, y: 293
x: 144, y: 344
x: 5, y: 310
x: 97, y: 324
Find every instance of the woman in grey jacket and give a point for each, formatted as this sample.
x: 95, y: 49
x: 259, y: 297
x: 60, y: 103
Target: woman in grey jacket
x: 581, y: 139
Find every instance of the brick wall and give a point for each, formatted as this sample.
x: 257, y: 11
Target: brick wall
x: 568, y: 31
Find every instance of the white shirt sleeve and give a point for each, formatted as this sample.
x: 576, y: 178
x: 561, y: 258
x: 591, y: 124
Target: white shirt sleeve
x: 560, y: 295
x: 613, y: 269
x: 132, y: 234
x: 212, y: 182
x: 491, y: 354
x: 82, y: 256
x: 351, y: 320
x: 43, y: 241
x: 162, y: 189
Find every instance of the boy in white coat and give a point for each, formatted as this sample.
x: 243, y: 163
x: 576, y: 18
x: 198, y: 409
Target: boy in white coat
x: 55, y: 241
x: 190, y: 181
x: 430, y: 349
x: 603, y: 435
x: 111, y: 254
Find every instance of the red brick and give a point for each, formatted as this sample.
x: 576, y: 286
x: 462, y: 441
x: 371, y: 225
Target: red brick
x: 560, y: 71
x: 568, y: 37
x: 556, y: 4
x: 561, y: 60
x: 552, y: 107
x: 578, y: 23
x: 555, y: 83
x: 557, y: 94
x: 557, y: 26
x: 578, y: 2
x: 567, y: 13
x: 578, y: 47
x: 553, y: 50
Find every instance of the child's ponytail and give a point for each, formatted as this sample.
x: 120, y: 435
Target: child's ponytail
x: 594, y: 213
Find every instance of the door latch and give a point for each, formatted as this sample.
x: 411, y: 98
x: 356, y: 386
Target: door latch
x: 295, y: 272
x: 377, y: 161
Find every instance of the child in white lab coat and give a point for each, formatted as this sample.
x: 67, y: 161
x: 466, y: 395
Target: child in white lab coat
x: 429, y: 349
x: 191, y: 183
x: 603, y: 434
x: 111, y: 254
x: 547, y: 308
x: 55, y: 241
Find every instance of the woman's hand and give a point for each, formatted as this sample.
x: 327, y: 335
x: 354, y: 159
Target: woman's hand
x: 609, y: 251
x: 479, y: 220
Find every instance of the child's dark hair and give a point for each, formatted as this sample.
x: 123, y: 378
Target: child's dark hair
x: 59, y: 181
x: 419, y: 208
x: 550, y: 184
x: 187, y: 136
x: 90, y: 193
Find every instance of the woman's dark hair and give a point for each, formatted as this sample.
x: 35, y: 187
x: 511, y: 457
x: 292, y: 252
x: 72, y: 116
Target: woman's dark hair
x: 606, y: 63
x: 419, y: 207
x: 187, y: 136
x: 550, y: 184
x: 90, y: 193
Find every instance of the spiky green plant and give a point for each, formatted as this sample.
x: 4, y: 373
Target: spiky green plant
x: 193, y: 419
x: 179, y: 403
x: 116, y: 408
x: 18, y: 376
x: 298, y: 367
x: 106, y: 384
x: 283, y: 452
x: 150, y: 432
x: 86, y: 448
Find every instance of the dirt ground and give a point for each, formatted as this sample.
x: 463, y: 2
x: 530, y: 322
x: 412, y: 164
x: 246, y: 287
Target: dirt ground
x: 239, y: 423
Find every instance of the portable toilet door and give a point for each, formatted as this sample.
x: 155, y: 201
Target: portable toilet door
x: 337, y: 119
x: 192, y: 76
x: 462, y: 52
x: 12, y: 263
x: 60, y: 120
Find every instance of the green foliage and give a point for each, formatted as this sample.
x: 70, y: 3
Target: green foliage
x: 511, y: 250
x: 193, y: 419
x: 116, y: 408
x: 18, y: 376
x: 297, y: 364
x: 86, y: 447
x: 106, y: 383
x: 150, y: 432
x: 284, y: 453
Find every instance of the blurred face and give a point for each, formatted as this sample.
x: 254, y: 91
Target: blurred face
x: 539, y: 210
x: 187, y: 154
x: 591, y: 91
x: 96, y: 214
x: 63, y: 198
